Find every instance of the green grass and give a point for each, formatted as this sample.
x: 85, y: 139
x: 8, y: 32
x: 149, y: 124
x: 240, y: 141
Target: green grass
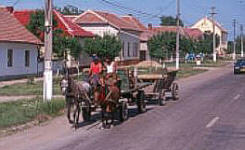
x: 23, y: 111
x: 189, y: 72
x: 206, y: 63
x: 28, y: 89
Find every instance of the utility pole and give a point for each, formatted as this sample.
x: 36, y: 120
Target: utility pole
x: 178, y: 34
x: 234, y: 42
x: 48, y: 75
x: 214, y: 37
x: 242, y: 41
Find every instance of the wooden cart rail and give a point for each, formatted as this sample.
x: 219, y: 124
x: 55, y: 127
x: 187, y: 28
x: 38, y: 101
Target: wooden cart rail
x: 138, y: 87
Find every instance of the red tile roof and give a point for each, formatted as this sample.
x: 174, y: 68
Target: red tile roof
x: 99, y: 17
x: 146, y: 35
x: 135, y: 22
x: 70, y: 28
x: 11, y: 30
x: 160, y: 29
x: 193, y: 33
x: 70, y: 17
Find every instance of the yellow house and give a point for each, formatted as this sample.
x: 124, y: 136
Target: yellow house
x: 206, y: 25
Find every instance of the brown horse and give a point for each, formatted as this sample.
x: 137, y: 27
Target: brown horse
x: 107, y: 95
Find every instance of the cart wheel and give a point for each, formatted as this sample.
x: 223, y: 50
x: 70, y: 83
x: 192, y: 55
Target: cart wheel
x: 86, y: 111
x: 175, y: 91
x: 123, y: 111
x: 161, y: 98
x: 141, y: 101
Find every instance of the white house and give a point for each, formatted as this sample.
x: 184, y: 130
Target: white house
x: 18, y: 47
x: 101, y: 23
x: 206, y: 25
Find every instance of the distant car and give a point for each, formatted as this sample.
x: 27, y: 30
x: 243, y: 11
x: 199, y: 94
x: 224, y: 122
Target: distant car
x: 239, y: 66
x: 190, y: 57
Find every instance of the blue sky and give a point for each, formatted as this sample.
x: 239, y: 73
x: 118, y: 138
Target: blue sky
x: 191, y: 10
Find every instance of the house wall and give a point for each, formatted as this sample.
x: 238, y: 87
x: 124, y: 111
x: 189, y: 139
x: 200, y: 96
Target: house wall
x: 144, y: 47
x: 100, y: 30
x: 18, y: 68
x: 124, y: 36
x: 129, y: 40
x: 206, y: 25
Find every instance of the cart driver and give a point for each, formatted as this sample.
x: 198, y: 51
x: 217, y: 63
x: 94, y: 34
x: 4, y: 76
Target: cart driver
x: 95, y: 70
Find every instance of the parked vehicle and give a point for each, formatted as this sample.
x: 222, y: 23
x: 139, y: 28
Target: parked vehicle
x: 239, y: 66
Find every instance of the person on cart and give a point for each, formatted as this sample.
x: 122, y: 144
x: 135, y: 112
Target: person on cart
x: 95, y: 71
x: 111, y: 69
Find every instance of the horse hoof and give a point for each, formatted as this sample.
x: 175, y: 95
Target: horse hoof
x: 76, y: 126
x: 71, y: 122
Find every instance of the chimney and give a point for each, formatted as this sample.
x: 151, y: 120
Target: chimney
x: 10, y: 9
x: 150, y: 26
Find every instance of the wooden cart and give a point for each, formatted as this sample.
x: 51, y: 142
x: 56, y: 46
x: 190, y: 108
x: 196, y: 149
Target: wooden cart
x: 164, y: 86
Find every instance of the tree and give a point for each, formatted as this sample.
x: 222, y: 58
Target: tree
x: 69, y: 10
x: 61, y: 42
x: 170, y: 21
x: 36, y: 23
x: 230, y: 47
x: 106, y: 46
x: 163, y: 45
x: 206, y: 44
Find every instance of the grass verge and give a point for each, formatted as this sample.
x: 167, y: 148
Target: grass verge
x: 189, y: 72
x: 23, y: 111
x: 29, y: 88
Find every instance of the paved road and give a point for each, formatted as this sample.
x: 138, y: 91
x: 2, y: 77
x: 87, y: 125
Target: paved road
x: 209, y: 116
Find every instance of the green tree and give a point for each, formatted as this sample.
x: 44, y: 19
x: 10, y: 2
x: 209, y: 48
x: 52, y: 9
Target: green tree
x: 36, y: 23
x: 61, y: 42
x: 163, y: 45
x: 106, y: 46
x: 230, y: 47
x: 170, y: 21
x: 206, y: 44
x: 69, y: 10
x: 238, y: 44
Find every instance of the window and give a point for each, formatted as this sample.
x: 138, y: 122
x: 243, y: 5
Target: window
x: 128, y: 49
x: 10, y: 58
x: 135, y: 51
x: 27, y: 58
x: 123, y: 54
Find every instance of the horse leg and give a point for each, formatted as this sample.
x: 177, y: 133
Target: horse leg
x: 75, y: 115
x: 78, y: 114
x: 69, y: 105
x: 112, y: 117
x: 103, y: 117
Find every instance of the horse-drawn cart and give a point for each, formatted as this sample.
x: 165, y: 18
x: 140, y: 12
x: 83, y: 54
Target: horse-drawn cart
x: 164, y: 86
x: 132, y: 93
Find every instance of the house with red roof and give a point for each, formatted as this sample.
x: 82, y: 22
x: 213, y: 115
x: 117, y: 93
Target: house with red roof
x: 101, y: 23
x: 206, y: 26
x: 63, y: 23
x: 18, y: 47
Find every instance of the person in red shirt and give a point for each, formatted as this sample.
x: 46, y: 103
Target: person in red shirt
x: 95, y: 71
x: 95, y: 67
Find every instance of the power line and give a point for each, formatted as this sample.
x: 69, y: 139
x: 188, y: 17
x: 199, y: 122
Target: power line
x: 139, y: 12
x: 16, y: 2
